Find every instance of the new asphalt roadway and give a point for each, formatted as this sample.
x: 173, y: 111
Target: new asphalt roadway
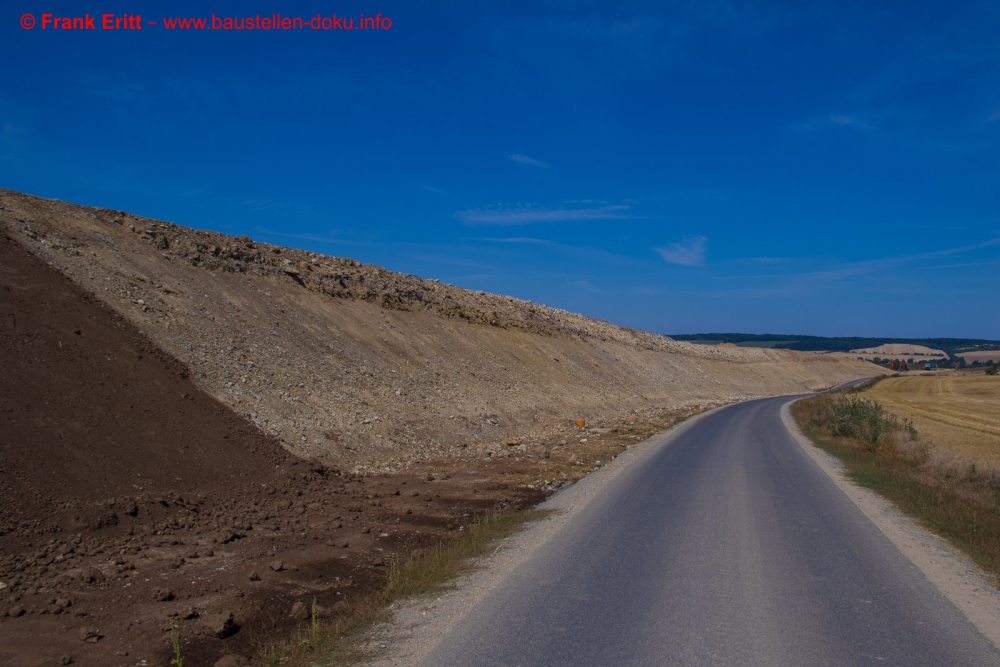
x: 726, y: 545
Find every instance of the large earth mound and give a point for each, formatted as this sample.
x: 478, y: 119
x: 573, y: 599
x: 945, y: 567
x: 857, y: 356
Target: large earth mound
x: 166, y: 393
x: 94, y: 416
x: 131, y: 499
x: 372, y: 370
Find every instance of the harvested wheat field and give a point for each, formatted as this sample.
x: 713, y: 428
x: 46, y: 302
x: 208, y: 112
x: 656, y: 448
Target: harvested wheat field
x: 961, y: 413
x: 982, y: 356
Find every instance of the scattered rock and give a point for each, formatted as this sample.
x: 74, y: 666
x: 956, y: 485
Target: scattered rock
x: 220, y: 626
x: 320, y: 611
x: 92, y: 575
x: 378, y: 562
x: 300, y: 612
x: 254, y: 576
x: 89, y: 634
x: 229, y: 536
x: 162, y: 595
x: 16, y: 612
x: 277, y: 565
x: 189, y: 613
x: 66, y: 659
x: 231, y: 660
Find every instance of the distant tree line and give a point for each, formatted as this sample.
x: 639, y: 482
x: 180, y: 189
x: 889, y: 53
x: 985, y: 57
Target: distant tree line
x: 950, y: 346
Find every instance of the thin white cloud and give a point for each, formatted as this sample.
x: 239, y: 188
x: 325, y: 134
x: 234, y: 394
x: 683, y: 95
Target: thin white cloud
x: 520, y: 215
x: 583, y: 284
x: 525, y: 159
x: 689, y: 252
x: 515, y: 239
x: 305, y: 237
x: 850, y: 121
x: 800, y: 281
x: 834, y: 121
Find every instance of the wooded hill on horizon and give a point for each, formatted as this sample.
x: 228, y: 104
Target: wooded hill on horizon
x: 952, y: 346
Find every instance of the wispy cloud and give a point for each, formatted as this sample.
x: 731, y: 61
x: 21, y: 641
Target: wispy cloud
x: 453, y: 260
x: 519, y: 215
x: 525, y: 159
x: 264, y: 203
x: 304, y: 237
x: 834, y: 121
x: 515, y: 239
x: 689, y: 252
x: 585, y: 285
x: 806, y: 281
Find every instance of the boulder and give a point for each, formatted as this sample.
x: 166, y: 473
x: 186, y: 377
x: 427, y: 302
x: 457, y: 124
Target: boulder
x: 220, y: 625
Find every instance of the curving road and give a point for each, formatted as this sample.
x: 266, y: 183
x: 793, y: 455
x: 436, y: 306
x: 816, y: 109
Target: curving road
x: 727, y: 545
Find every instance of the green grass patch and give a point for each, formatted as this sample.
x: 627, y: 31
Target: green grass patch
x: 953, y: 497
x: 337, y: 641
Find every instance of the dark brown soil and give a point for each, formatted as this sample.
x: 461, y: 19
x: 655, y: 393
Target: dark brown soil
x: 128, y: 497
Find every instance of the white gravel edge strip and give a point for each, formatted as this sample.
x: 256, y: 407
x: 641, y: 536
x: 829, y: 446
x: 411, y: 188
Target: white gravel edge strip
x: 419, y: 624
x: 951, y: 571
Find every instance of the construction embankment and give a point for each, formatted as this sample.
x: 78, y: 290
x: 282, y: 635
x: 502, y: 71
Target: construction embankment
x: 221, y: 435
x: 371, y: 369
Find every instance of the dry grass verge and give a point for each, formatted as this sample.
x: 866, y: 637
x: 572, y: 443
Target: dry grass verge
x: 336, y: 642
x: 952, y: 495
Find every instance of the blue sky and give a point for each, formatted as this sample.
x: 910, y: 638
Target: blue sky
x: 828, y: 168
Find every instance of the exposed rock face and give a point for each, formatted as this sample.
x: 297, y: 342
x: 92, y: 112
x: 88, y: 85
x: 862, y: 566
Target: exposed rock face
x: 369, y: 369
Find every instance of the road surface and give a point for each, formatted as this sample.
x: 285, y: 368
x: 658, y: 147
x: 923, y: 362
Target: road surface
x: 725, y: 546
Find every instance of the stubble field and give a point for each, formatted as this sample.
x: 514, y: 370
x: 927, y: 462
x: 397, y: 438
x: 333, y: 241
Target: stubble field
x: 960, y: 413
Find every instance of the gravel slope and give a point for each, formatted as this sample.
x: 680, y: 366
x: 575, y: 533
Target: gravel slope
x: 374, y: 370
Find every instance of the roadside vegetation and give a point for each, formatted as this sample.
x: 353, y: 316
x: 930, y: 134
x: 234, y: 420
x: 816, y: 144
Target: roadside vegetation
x: 339, y: 641
x: 954, y: 496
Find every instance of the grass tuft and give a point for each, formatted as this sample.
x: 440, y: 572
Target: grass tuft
x: 337, y: 642
x: 175, y: 643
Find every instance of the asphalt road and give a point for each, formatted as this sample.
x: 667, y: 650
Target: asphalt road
x: 726, y: 546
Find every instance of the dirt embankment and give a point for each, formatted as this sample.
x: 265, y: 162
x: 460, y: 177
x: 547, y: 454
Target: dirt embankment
x: 131, y: 495
x: 129, y: 498
x: 373, y: 370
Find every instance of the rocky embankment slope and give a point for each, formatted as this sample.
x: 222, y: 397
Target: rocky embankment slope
x: 369, y: 369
